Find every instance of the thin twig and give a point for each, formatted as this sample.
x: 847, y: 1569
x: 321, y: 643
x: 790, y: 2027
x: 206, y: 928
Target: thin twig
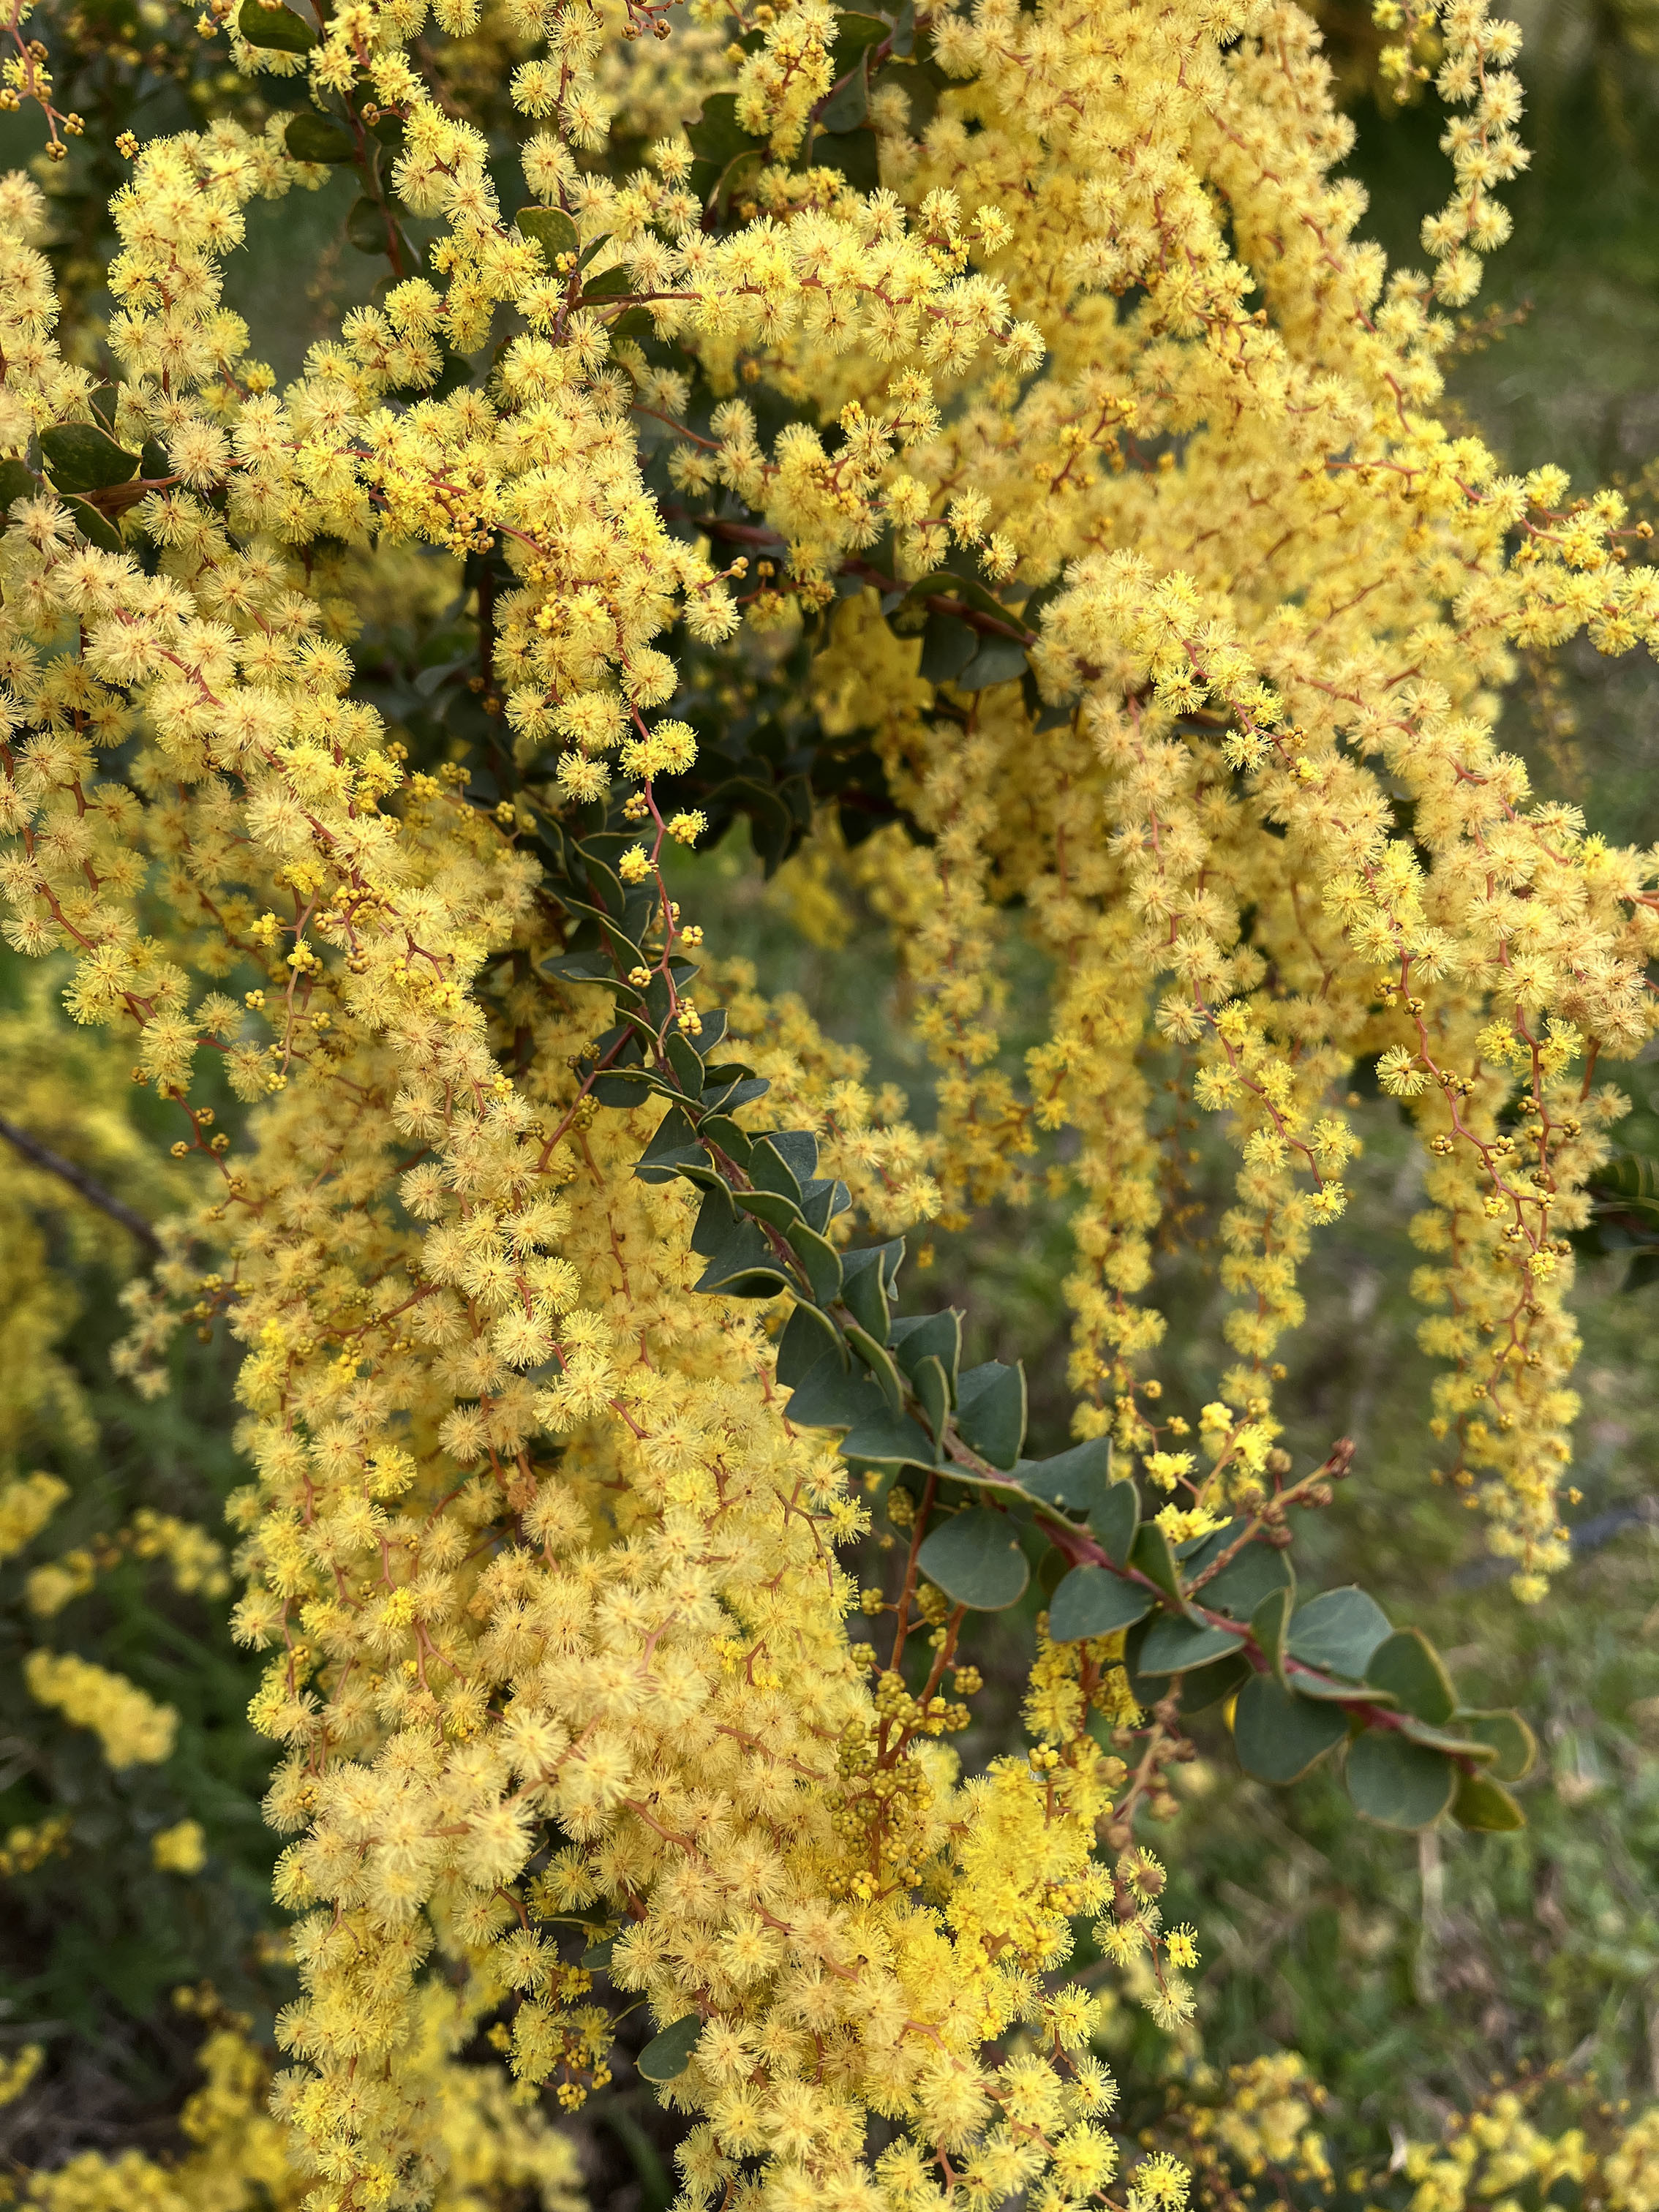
x: 78, y: 1179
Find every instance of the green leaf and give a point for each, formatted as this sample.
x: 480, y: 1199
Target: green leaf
x: 1115, y: 1520
x: 991, y: 1412
x: 769, y: 1170
x: 1094, y: 1601
x: 932, y: 1387
x: 864, y: 1290
x: 686, y: 1061
x: 79, y: 457
x: 616, y: 282
x: 674, y: 1144
x: 975, y: 1558
x: 1401, y: 1784
x: 1259, y: 1569
x: 1407, y: 1665
x: 929, y: 1336
x: 1205, y: 1686
x: 766, y: 1205
x: 1174, y: 1644
x: 1279, y: 1736
x: 745, y: 1266
x: 894, y: 1439
x: 855, y: 34
x: 849, y: 105
x: 367, y: 229
x: 877, y: 1358
x: 1151, y: 1554
x: 314, y: 137
x: 996, y: 660
x: 852, y: 152
x: 597, y: 1957
x: 1267, y: 1625
x: 552, y: 230
x: 1446, y: 1740
x: 830, y: 1397
x: 1506, y: 1734
x: 17, y: 481
x: 1339, y: 1630
x: 1480, y: 1802
x: 97, y: 529
x: 279, y: 29
x: 808, y: 1336
x: 819, y: 1258
x: 666, y: 2057
x: 1077, y: 1480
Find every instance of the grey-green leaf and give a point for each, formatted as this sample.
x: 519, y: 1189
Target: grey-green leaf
x: 279, y: 29
x: 79, y: 457
x: 1407, y: 1665
x: 974, y: 1557
x: 551, y: 228
x: 1093, y: 1601
x: 991, y: 1412
x: 666, y: 2057
x: 1506, y: 1734
x: 1174, y: 1644
x: 1339, y: 1630
x: 1401, y: 1784
x: 1279, y: 1736
x: 1243, y: 1583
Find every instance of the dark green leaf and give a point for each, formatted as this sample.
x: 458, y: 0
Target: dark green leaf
x: 975, y: 1558
x: 79, y: 457
x: 1268, y: 1624
x: 766, y: 1205
x: 597, y: 1957
x: 928, y: 1336
x: 1279, y: 1736
x: 17, y: 481
x: 666, y: 2057
x: 1205, y: 1686
x: 97, y: 529
x: 848, y: 104
x: 551, y: 228
x: 686, y: 1061
x: 807, y: 1338
x: 864, y: 1291
x: 1174, y: 1644
x: 991, y: 1412
x: 1339, y: 1630
x: 1401, y: 1784
x: 892, y: 1438
x: 314, y: 137
x: 1480, y: 1802
x: 947, y: 646
x: 1244, y: 1581
x: 674, y: 1144
x: 613, y: 283
x: 279, y: 29
x: 931, y: 1387
x: 1093, y: 1601
x: 831, y: 1398
x: 1115, y: 1520
x: 1077, y: 1480
x: 996, y: 660
x: 1506, y: 1734
x: 819, y: 1257
x: 1407, y: 1664
x: 877, y: 1359
x: 367, y: 228
x: 769, y: 1170
x: 852, y: 152
x: 855, y: 34
x: 745, y: 1266
x: 1151, y: 1554
x: 797, y: 1148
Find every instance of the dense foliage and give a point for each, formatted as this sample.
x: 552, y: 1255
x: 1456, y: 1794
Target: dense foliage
x: 976, y: 453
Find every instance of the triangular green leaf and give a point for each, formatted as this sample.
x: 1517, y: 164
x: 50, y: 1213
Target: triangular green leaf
x: 991, y: 1412
x: 1480, y: 1803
